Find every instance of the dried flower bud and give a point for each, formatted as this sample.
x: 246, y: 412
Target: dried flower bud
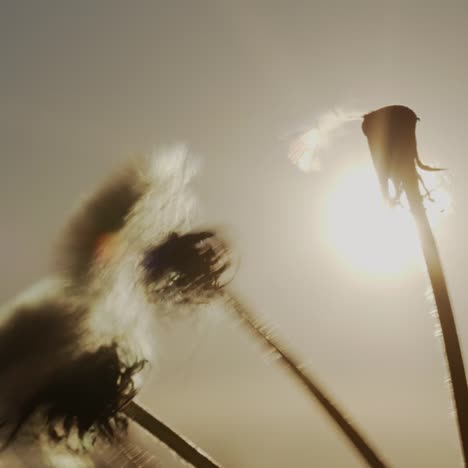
x: 186, y: 268
x: 391, y: 134
x: 87, y: 397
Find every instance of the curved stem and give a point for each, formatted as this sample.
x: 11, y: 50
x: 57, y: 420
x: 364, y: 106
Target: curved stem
x: 292, y: 365
x: 447, y: 320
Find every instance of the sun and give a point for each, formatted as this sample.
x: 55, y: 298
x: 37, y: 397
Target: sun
x: 366, y: 234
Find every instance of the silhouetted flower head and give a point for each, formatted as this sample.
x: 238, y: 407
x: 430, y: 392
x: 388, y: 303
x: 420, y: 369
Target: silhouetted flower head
x: 90, y: 394
x: 391, y: 134
x: 87, y: 395
x: 187, y: 267
x: 91, y: 330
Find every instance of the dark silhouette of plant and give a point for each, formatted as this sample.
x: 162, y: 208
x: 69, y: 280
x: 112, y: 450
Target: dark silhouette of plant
x: 194, y: 267
x: 391, y: 134
x: 184, y: 449
x: 44, y: 371
x: 87, y: 395
x: 186, y: 268
x: 354, y: 436
x: 92, y: 390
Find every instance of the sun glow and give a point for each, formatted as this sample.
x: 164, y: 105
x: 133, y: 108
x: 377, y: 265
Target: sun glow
x: 368, y: 235
x: 364, y: 232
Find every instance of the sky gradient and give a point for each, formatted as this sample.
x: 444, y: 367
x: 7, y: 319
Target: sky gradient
x: 85, y: 85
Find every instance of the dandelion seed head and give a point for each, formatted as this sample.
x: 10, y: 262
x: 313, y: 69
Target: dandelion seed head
x: 96, y: 324
x: 108, y: 236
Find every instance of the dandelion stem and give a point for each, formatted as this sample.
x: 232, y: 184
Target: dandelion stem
x: 291, y: 364
x: 446, y: 317
x: 167, y: 436
x: 391, y: 134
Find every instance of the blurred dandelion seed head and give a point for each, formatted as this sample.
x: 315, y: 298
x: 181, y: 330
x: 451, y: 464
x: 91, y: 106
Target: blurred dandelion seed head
x: 167, y: 204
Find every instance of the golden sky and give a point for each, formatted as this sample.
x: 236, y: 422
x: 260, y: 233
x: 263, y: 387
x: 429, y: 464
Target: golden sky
x: 85, y: 84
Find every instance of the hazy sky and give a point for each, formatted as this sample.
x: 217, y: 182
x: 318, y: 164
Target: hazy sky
x: 86, y: 84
